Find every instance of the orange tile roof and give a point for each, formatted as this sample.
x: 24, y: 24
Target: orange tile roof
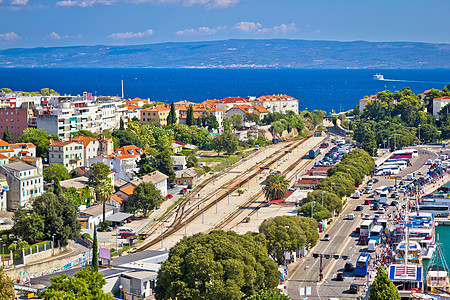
x: 133, y: 106
x: 128, y: 190
x: 117, y: 198
x: 23, y: 145
x: 197, y: 115
x: 276, y: 98
x: 59, y: 143
x: 130, y: 149
x: 232, y: 100
x: 81, y: 170
x: 3, y: 156
x: 444, y: 98
x: 3, y: 143
x: 163, y: 107
x: 184, y: 102
x: 125, y: 156
x: 261, y: 109
x: 84, y: 139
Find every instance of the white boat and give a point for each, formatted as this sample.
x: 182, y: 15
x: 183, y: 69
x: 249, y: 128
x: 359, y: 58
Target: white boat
x: 438, y: 282
x: 378, y: 77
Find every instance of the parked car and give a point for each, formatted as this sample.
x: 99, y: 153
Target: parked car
x: 348, y: 267
x: 169, y: 196
x: 172, y: 185
x: 367, y: 217
x: 326, y: 237
x: 128, y: 235
x: 340, y: 277
x: 189, y: 186
x: 353, y: 289
x: 359, y: 208
x: 394, y: 203
x: 381, y: 210
x: 357, y: 230
x: 182, y: 192
x: 366, y: 202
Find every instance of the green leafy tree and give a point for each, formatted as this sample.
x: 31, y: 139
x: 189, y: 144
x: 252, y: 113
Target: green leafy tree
x: 85, y: 284
x: 428, y: 132
x: 278, y: 128
x: 211, y: 122
x: 276, y: 187
x: 60, y: 216
x: 87, y: 133
x: 75, y: 195
x: 283, y: 233
x: 192, y: 161
x: 39, y: 137
x: 274, y: 294
x: 218, y: 265
x: 251, y: 117
x: 190, y: 120
x: 28, y: 225
x: 145, y: 164
x: 382, y: 288
x: 236, y: 121
x: 95, y: 253
x: 331, y: 201
x: 163, y: 163
x: 6, y: 286
x: 145, y: 198
x: 98, y: 172
x: 226, y: 142
x: 56, y: 171
x: 7, y: 136
x: 126, y: 137
x: 319, y: 212
x: 104, y: 191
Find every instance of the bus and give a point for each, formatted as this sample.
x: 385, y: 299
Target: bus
x: 365, y: 228
x: 376, y: 232
x: 436, y: 210
x: 407, y: 160
x: 362, y: 264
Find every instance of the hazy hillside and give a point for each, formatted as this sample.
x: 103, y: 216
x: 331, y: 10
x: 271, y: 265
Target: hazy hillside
x: 276, y: 53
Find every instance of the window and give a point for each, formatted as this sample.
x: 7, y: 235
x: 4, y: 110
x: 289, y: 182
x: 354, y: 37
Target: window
x: 67, y: 155
x: 59, y: 156
x: 53, y: 156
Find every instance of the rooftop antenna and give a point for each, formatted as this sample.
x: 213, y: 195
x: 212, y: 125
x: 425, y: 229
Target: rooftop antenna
x: 122, y: 88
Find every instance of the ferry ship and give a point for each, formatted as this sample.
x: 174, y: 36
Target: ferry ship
x: 378, y: 77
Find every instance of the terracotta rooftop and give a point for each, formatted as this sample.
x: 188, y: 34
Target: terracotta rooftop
x: 128, y: 190
x: 163, y: 107
x: 84, y: 139
x: 60, y: 143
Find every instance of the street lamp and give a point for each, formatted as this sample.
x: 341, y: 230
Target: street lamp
x: 373, y: 152
x: 420, y: 125
x: 332, y: 187
x: 312, y: 208
x: 347, y: 171
x: 323, y: 192
x: 384, y: 144
x: 120, y: 289
x: 53, y: 243
x: 389, y: 142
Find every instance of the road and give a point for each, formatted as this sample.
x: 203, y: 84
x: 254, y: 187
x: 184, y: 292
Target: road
x: 344, y: 242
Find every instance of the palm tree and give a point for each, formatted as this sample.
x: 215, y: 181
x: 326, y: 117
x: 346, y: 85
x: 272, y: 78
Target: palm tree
x: 104, y: 191
x: 276, y: 187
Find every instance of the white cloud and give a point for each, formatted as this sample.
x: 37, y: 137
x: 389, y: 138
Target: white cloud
x: 199, y: 31
x: 83, y: 3
x: 130, y: 35
x: 10, y: 36
x: 207, y: 3
x: 56, y: 36
x: 257, y: 28
x: 19, y: 2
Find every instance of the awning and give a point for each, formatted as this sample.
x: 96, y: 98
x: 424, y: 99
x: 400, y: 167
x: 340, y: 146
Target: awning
x: 118, y: 217
x: 401, y: 272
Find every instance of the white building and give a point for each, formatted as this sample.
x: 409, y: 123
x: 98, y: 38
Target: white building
x: 277, y: 103
x: 94, y: 147
x: 25, y: 182
x: 4, y: 188
x: 158, y: 179
x: 92, y: 216
x: 438, y: 104
x: 70, y: 154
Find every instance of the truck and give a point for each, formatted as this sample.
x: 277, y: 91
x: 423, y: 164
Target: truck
x: 410, y: 176
x: 371, y: 246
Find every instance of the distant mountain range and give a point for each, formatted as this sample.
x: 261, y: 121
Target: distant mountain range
x: 275, y: 53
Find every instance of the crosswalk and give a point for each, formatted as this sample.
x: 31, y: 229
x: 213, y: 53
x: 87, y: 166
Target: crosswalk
x: 304, y: 290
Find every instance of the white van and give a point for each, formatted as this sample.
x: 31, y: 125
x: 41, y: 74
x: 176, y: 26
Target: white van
x: 351, y: 216
x: 125, y: 229
x: 443, y: 157
x: 410, y: 176
x: 371, y: 246
x: 357, y: 194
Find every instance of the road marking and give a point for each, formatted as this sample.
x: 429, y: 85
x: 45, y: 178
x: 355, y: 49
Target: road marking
x: 301, y: 290
x: 308, y: 290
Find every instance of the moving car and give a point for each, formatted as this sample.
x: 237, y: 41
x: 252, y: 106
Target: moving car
x: 169, y: 196
x: 357, y: 230
x: 359, y: 208
x: 354, y: 288
x: 366, y: 202
x: 128, y: 235
x: 394, y: 203
x: 348, y: 266
x: 326, y: 237
x: 340, y: 277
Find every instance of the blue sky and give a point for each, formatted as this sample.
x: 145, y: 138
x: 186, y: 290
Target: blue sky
x: 48, y: 23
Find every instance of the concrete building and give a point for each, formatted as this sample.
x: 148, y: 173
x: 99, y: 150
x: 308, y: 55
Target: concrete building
x: 277, y: 103
x: 25, y: 182
x: 179, y: 162
x: 187, y: 176
x: 15, y: 119
x: 4, y: 188
x: 158, y: 179
x: 94, y: 147
x: 92, y: 216
x: 157, y: 115
x: 70, y: 154
x: 438, y: 104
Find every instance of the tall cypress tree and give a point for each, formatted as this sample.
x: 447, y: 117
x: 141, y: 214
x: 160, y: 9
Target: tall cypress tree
x: 7, y: 136
x: 57, y: 190
x: 172, y: 118
x: 190, y: 116
x: 122, y: 125
x: 95, y: 252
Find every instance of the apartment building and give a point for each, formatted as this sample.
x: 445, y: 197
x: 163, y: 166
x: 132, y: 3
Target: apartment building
x: 25, y: 181
x: 65, y: 115
x: 276, y: 103
x: 157, y: 114
x: 70, y: 154
x: 94, y: 147
x: 15, y: 119
x: 4, y: 188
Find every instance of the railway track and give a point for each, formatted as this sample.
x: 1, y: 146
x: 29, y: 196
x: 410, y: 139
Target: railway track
x: 300, y: 163
x: 185, y: 212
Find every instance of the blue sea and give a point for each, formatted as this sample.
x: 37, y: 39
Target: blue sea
x: 328, y: 90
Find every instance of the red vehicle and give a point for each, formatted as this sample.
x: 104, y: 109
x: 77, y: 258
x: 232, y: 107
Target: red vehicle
x: 128, y: 235
x: 366, y: 202
x: 357, y: 230
x: 169, y: 196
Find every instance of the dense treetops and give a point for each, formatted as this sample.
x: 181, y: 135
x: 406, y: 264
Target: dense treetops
x: 382, y: 287
x: 218, y: 265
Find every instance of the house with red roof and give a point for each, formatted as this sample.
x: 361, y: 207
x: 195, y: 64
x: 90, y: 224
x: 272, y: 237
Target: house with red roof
x: 439, y: 103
